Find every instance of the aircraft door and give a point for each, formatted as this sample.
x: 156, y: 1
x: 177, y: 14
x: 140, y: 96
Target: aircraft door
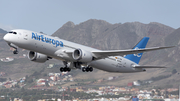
x: 25, y: 36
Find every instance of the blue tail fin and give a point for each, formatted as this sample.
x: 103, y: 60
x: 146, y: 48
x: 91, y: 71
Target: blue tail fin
x: 136, y: 57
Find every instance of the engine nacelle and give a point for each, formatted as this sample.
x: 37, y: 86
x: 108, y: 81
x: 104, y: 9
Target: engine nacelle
x: 37, y: 57
x: 82, y: 56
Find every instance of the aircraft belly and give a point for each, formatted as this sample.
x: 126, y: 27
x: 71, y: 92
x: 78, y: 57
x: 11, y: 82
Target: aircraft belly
x: 111, y: 66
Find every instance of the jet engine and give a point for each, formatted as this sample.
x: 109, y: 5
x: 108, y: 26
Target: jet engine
x: 82, y: 56
x: 37, y: 57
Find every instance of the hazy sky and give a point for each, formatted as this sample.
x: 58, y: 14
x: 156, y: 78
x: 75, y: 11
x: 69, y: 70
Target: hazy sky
x: 49, y: 15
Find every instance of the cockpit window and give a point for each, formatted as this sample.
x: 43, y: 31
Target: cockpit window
x: 13, y: 32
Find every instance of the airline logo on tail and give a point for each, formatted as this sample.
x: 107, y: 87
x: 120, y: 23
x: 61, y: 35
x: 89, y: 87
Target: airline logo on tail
x: 141, y: 45
x: 137, y: 55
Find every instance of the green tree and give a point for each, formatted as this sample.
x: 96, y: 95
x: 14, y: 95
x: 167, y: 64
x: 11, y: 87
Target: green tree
x: 17, y: 86
x: 158, y: 92
x: 9, y: 79
x: 174, y: 71
x: 26, y: 76
x: 3, y: 79
x: 29, y: 80
x: 152, y: 93
x: 46, y: 83
x: 44, y: 74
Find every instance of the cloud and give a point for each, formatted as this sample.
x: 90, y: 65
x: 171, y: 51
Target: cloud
x: 7, y: 27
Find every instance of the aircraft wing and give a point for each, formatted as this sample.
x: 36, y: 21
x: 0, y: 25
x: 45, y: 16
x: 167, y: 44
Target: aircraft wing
x: 149, y: 67
x: 104, y: 54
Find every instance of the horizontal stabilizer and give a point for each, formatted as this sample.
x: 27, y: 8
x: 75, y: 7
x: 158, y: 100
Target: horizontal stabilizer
x: 149, y: 67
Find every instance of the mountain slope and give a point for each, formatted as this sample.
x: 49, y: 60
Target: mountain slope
x: 2, y: 31
x: 105, y: 36
x: 174, y: 53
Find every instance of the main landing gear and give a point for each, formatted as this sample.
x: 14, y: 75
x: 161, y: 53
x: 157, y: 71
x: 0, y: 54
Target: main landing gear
x: 87, y: 69
x: 76, y: 65
x: 65, y: 69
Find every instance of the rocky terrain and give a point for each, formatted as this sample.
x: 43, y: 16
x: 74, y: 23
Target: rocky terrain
x: 105, y: 36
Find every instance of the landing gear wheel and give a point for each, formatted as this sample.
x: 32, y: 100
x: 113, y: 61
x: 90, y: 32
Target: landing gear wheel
x: 87, y: 69
x: 84, y: 69
x: 65, y: 69
x: 15, y: 52
x: 61, y: 69
x: 90, y: 69
x: 68, y: 69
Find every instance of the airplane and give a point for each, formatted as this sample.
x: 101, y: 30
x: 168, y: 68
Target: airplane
x: 43, y: 47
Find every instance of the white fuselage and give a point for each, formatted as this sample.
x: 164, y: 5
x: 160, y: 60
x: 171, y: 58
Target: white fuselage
x: 57, y: 47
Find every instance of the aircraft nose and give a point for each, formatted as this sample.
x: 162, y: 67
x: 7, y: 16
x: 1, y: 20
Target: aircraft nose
x: 6, y: 37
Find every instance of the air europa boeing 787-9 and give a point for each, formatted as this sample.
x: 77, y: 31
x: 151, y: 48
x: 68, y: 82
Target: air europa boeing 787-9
x: 75, y: 56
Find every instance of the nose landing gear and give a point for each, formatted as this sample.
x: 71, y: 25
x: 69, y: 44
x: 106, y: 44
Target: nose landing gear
x: 15, y: 51
x: 15, y: 47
